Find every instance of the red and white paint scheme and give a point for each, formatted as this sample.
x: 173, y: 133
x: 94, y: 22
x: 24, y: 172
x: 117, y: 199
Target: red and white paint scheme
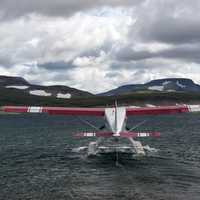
x: 115, y: 119
x: 122, y: 134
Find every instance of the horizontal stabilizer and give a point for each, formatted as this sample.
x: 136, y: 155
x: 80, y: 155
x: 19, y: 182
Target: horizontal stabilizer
x: 122, y: 134
x: 91, y: 134
x: 139, y: 134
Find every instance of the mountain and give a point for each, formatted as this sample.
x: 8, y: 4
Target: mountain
x: 9, y: 80
x: 20, y: 85
x: 18, y: 91
x: 159, y: 85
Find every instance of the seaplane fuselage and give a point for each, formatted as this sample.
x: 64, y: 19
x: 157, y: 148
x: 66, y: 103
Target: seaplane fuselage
x: 115, y: 120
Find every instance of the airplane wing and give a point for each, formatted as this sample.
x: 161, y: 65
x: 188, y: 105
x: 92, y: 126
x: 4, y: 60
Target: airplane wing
x: 159, y: 110
x: 54, y: 110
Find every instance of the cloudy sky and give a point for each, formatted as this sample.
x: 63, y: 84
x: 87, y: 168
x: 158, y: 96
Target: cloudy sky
x: 97, y: 45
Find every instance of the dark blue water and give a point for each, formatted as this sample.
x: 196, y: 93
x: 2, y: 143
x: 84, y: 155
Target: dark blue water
x: 37, y: 162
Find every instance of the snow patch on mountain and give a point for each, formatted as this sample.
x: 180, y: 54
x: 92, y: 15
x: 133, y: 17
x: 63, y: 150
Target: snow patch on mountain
x: 150, y: 105
x: 133, y: 106
x: 20, y: 87
x: 40, y: 93
x: 64, y: 96
x: 158, y: 88
x: 166, y: 82
x: 180, y: 85
x: 171, y: 90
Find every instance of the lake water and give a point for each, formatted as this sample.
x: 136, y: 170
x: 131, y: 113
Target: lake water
x: 37, y: 161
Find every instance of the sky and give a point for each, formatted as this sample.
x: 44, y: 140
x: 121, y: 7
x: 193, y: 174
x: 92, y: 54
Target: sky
x: 98, y: 45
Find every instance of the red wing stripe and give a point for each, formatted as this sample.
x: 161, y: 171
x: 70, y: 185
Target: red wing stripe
x: 55, y: 110
x: 15, y: 109
x: 73, y: 111
x: 158, y: 110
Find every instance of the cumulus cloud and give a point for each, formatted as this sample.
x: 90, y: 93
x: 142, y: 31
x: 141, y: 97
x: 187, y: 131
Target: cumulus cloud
x: 172, y: 30
x: 106, y: 43
x: 182, y: 53
x: 53, y: 40
x: 56, y: 66
x: 164, y: 41
x: 84, y: 40
x: 169, y: 22
x: 60, y: 8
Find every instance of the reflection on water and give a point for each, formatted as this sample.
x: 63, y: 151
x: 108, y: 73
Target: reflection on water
x: 37, y: 161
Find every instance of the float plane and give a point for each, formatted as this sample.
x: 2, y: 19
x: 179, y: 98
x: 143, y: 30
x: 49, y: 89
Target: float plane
x: 115, y: 124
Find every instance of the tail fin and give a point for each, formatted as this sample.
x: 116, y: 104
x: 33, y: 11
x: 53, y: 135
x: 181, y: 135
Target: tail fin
x: 115, y: 103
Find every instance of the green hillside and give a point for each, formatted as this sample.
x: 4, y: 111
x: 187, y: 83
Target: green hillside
x: 15, y: 97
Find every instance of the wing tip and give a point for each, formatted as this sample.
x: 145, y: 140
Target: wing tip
x: 194, y: 108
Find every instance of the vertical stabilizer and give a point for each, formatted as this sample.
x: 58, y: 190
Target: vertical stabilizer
x: 115, y: 118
